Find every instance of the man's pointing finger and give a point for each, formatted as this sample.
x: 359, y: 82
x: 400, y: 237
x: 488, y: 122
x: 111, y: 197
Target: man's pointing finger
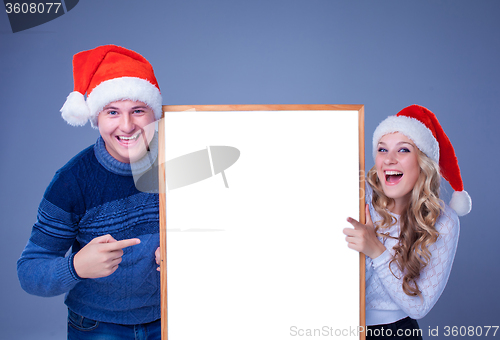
x: 123, y: 244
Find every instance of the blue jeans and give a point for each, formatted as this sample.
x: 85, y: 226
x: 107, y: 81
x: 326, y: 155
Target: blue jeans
x: 80, y: 328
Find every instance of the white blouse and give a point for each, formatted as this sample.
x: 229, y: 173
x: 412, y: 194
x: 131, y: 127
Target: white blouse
x: 386, y: 301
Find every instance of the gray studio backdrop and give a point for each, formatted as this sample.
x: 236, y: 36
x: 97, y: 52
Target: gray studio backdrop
x: 383, y: 54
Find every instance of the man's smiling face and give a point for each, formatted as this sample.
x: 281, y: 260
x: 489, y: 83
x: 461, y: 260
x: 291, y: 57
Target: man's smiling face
x: 122, y: 127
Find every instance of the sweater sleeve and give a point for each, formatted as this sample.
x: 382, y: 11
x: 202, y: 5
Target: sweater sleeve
x: 433, y: 277
x: 44, y: 269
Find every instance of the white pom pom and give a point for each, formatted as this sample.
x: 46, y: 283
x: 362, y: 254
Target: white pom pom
x: 75, y: 110
x: 461, y: 202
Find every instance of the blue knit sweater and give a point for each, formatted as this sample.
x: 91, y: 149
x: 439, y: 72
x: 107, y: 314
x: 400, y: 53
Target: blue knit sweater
x: 94, y: 195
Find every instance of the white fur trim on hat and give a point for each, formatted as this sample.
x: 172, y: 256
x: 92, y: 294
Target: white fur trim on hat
x: 75, y: 110
x: 131, y: 88
x: 461, y: 202
x: 411, y: 128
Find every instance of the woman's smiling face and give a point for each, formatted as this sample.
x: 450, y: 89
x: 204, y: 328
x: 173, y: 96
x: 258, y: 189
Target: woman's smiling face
x: 397, y: 168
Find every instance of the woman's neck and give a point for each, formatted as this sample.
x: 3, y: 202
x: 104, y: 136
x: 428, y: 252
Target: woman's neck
x: 399, y: 205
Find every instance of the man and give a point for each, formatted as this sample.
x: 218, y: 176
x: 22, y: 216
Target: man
x: 93, y: 207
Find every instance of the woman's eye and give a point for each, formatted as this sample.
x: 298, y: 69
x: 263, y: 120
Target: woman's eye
x: 382, y: 150
x: 404, y: 150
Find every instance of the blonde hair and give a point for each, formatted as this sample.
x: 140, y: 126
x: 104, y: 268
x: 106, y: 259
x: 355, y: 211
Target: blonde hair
x: 417, y: 222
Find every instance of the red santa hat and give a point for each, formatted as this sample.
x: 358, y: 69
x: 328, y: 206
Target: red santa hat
x: 109, y: 73
x: 423, y: 128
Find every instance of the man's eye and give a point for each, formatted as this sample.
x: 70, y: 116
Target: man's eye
x: 112, y: 113
x: 138, y: 111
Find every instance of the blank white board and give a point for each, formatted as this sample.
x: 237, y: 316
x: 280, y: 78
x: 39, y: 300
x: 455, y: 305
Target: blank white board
x: 260, y: 254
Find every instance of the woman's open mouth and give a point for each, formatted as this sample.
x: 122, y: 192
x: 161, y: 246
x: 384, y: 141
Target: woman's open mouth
x: 393, y: 177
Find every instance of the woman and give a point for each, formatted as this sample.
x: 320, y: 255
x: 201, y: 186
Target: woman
x: 411, y: 243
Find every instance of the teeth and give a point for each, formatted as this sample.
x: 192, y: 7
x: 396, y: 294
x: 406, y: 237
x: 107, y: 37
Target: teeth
x: 129, y: 138
x: 389, y: 173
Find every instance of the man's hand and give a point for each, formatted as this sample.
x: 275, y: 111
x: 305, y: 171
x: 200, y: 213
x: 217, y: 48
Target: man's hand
x: 158, y: 258
x: 101, y: 256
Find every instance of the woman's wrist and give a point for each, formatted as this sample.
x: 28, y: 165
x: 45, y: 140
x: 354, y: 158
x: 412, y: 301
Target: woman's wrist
x: 379, y: 250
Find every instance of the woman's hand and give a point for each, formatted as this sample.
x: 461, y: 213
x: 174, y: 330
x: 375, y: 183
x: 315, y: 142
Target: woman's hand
x: 158, y: 258
x: 101, y: 256
x: 363, y: 238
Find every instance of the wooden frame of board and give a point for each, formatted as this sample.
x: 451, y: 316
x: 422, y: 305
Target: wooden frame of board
x: 163, y: 228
